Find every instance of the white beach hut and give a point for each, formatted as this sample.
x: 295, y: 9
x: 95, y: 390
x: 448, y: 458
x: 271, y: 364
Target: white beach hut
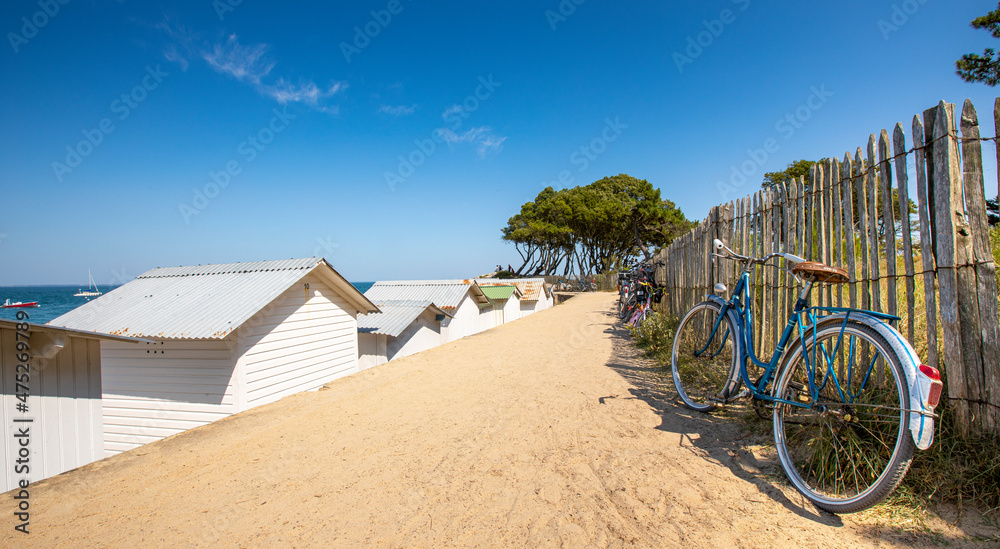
x: 222, y: 339
x: 56, y: 425
x: 535, y: 294
x: 470, y: 310
x: 401, y: 329
x: 506, y: 300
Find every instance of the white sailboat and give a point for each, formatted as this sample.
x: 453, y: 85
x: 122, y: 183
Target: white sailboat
x: 91, y: 290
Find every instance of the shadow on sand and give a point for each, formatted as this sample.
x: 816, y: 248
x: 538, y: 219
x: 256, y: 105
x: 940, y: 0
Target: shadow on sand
x: 715, y: 439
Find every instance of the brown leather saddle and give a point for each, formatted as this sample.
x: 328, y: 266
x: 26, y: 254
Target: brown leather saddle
x: 820, y: 272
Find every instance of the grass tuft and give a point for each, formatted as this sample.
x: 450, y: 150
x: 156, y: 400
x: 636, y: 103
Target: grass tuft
x: 655, y: 336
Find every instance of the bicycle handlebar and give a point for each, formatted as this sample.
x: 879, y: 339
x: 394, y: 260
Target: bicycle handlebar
x: 719, y: 245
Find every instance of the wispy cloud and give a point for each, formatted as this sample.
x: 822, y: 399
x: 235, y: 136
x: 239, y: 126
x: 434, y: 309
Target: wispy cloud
x: 483, y: 137
x: 249, y: 64
x: 490, y: 144
x: 244, y: 63
x: 454, y: 109
x: 170, y: 52
x: 397, y: 110
x: 307, y: 93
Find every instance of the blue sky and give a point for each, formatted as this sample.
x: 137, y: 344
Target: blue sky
x: 145, y: 134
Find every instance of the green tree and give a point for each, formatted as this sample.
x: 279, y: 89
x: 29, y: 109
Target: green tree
x: 795, y: 169
x: 593, y: 229
x: 993, y: 211
x: 986, y: 67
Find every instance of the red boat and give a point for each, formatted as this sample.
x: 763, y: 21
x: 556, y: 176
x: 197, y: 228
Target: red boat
x: 8, y: 305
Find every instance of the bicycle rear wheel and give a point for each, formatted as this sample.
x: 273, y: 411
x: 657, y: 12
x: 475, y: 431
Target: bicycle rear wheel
x: 852, y: 446
x: 625, y: 306
x: 705, y: 356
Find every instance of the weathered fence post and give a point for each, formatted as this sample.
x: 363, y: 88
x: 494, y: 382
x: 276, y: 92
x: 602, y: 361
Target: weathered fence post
x: 985, y: 298
x: 889, y: 227
x: 956, y: 282
x: 899, y: 151
x: 925, y: 210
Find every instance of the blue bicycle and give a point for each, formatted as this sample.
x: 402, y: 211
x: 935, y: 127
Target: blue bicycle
x: 847, y: 394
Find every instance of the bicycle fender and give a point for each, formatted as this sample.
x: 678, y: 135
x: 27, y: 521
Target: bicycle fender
x: 921, y: 422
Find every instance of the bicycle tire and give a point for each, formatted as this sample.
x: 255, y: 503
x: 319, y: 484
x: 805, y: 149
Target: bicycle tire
x: 844, y: 456
x: 624, y: 302
x: 705, y: 372
x: 630, y: 307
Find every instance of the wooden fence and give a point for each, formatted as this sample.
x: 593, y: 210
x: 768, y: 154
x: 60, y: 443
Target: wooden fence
x: 942, y: 282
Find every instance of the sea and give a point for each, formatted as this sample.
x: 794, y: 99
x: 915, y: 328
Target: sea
x: 54, y: 301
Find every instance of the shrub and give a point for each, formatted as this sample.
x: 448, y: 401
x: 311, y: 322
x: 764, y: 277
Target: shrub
x: 655, y: 335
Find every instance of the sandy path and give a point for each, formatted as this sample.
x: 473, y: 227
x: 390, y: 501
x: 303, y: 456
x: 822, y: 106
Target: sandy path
x: 545, y: 432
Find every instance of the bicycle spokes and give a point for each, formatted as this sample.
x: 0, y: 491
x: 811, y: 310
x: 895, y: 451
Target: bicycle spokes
x: 845, y: 437
x: 704, y: 357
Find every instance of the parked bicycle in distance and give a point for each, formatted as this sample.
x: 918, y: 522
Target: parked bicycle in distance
x: 637, y: 291
x: 848, y: 395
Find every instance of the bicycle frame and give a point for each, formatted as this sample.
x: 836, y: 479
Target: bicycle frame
x: 740, y: 304
x: 739, y: 309
x: 742, y: 315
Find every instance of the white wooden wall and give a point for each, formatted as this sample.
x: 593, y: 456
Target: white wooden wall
x: 467, y: 320
x: 302, y: 340
x: 154, y: 390
x: 422, y: 334
x: 528, y: 307
x: 512, y: 309
x: 64, y: 404
x: 372, y: 350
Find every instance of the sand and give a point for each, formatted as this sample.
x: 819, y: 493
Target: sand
x: 546, y: 432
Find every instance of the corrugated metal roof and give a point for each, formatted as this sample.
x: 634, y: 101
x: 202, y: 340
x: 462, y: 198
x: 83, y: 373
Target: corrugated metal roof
x: 532, y: 289
x: 198, y: 302
x: 395, y: 317
x: 498, y: 292
x: 86, y: 334
x: 446, y: 294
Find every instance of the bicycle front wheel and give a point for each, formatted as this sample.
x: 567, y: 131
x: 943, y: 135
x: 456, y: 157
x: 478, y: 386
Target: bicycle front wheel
x: 639, y: 316
x: 705, y: 357
x: 848, y: 446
